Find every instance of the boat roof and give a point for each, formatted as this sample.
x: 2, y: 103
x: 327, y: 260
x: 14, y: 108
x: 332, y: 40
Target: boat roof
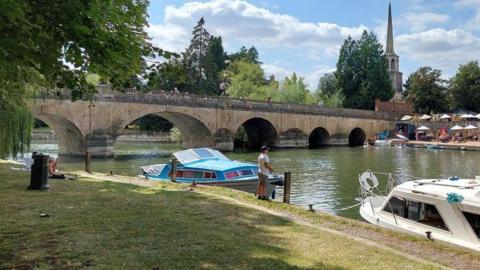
x: 208, y: 159
x: 219, y: 165
x: 469, y: 189
x: 195, y: 154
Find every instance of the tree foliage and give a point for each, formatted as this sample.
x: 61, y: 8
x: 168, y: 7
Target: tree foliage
x: 362, y: 72
x: 427, y: 91
x: 48, y: 44
x: 245, y: 79
x: 465, y: 87
x: 248, y: 55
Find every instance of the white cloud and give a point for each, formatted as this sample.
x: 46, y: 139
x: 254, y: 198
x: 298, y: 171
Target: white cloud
x: 241, y: 22
x: 441, y: 48
x: 420, y: 21
x: 474, y: 22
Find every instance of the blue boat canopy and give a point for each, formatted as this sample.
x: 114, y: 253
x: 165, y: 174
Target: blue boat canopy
x: 193, y: 155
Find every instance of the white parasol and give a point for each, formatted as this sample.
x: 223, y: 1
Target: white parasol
x: 457, y: 127
x: 445, y: 116
x: 423, y: 128
x: 477, y: 116
x: 425, y: 117
x: 470, y: 127
x: 406, y: 118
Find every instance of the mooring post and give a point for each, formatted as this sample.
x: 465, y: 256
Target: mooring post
x: 286, y: 187
x: 174, y: 170
x: 87, y: 162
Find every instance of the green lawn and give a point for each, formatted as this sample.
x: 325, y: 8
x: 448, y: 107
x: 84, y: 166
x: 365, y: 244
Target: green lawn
x: 105, y: 225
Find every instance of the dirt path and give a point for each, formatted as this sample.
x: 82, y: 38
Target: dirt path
x: 418, y: 251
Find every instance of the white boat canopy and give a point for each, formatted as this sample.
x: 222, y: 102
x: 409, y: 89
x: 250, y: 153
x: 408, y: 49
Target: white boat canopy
x: 457, y: 127
x: 445, y: 116
x: 470, y: 127
x: 425, y: 117
x: 423, y: 128
x: 194, y: 154
x: 406, y: 118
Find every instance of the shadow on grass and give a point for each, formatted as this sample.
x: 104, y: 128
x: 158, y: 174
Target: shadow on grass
x: 110, y: 225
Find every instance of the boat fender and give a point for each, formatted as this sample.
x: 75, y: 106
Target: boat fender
x: 363, y: 179
x: 454, y: 178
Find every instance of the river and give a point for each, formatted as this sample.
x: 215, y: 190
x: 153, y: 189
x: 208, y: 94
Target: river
x: 326, y: 177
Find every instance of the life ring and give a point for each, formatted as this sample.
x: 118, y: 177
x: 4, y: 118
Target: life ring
x: 365, y: 184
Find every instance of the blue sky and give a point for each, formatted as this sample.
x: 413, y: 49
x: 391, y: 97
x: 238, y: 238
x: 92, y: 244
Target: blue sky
x: 304, y: 36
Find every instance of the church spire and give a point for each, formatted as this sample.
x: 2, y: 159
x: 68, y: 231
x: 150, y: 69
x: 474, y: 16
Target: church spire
x: 389, y: 49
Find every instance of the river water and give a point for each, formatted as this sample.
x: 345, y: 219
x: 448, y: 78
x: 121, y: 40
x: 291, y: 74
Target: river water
x: 324, y: 177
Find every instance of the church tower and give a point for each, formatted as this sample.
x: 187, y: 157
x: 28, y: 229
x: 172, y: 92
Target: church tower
x: 393, y: 60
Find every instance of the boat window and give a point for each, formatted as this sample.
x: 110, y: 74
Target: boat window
x: 395, y: 206
x: 413, y: 210
x: 207, y: 175
x: 430, y: 216
x: 474, y: 221
x: 214, y: 175
x: 230, y: 175
x: 203, y: 153
x: 246, y: 172
x: 197, y: 174
x: 180, y: 174
x: 188, y: 174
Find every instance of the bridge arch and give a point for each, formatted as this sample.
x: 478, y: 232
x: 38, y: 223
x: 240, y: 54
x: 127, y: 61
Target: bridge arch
x: 259, y: 131
x: 194, y: 132
x: 356, y: 137
x: 71, y: 141
x: 318, y: 137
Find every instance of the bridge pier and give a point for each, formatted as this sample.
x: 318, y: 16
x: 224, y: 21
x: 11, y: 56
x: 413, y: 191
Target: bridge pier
x: 223, y: 140
x: 101, y: 145
x: 292, y: 138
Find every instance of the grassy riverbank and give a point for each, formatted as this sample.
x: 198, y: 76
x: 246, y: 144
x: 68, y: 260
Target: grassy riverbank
x: 108, y: 225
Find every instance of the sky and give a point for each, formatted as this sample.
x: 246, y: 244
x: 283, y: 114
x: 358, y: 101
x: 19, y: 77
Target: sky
x: 304, y: 36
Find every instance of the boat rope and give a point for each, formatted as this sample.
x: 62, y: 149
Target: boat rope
x: 349, y: 207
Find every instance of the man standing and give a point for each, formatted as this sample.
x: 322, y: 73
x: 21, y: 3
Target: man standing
x: 264, y: 171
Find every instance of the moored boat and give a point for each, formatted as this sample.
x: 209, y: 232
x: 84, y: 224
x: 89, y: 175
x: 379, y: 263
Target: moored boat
x: 440, y: 209
x: 210, y: 167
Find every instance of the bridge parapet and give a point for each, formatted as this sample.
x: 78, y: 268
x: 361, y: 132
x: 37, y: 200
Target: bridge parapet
x: 223, y: 102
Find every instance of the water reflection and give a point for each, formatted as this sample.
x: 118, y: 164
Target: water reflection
x: 326, y: 177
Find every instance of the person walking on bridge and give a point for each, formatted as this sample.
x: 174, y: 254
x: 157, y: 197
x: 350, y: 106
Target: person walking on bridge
x: 264, y: 171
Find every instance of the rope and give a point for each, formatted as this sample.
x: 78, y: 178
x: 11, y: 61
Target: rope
x: 341, y: 209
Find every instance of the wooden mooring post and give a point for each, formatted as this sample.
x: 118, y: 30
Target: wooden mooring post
x: 173, y: 178
x: 286, y: 186
x: 87, y: 162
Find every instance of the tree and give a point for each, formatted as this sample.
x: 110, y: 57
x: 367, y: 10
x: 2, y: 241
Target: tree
x: 362, y: 72
x: 247, y: 55
x: 215, y: 64
x: 427, y: 91
x: 327, y: 85
x: 465, y: 87
x: 293, y: 90
x: 245, y: 79
x: 195, y: 56
x: 167, y: 76
x: 48, y: 44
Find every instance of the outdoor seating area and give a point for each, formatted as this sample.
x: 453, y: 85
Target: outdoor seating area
x: 445, y: 128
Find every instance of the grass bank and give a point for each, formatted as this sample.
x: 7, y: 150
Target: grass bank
x: 108, y: 225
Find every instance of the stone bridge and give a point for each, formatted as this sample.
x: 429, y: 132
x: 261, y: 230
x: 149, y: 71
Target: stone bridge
x: 204, y: 121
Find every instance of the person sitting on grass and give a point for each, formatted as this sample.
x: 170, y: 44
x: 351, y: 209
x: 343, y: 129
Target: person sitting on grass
x: 52, y: 169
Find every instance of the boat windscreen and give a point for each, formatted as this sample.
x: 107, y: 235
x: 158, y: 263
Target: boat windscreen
x: 190, y: 155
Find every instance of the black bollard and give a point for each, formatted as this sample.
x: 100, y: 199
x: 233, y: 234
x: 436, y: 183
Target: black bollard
x: 39, y: 172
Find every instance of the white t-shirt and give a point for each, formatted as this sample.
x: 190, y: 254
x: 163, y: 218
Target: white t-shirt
x: 262, y: 160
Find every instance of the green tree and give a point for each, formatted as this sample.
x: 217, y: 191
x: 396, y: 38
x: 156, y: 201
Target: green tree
x: 195, y: 57
x: 293, y: 89
x: 427, y: 91
x: 167, y: 76
x: 362, y: 72
x: 215, y: 64
x: 245, y: 79
x: 48, y: 44
x: 465, y: 87
x: 248, y: 55
x: 327, y: 85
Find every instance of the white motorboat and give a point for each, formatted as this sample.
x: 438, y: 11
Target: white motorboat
x: 382, y: 142
x: 440, y: 209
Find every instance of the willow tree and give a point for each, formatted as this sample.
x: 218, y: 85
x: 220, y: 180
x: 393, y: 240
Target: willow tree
x: 56, y: 44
